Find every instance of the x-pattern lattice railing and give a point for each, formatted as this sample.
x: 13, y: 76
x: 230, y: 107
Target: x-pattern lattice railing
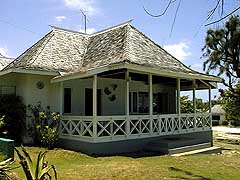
x: 127, y: 127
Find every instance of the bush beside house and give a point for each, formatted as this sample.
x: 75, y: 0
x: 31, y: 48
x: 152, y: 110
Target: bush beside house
x: 13, y: 113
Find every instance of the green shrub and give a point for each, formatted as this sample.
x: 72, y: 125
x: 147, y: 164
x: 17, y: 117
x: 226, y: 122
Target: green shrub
x: 14, y: 112
x: 224, y: 122
x: 215, y: 122
x: 45, y: 126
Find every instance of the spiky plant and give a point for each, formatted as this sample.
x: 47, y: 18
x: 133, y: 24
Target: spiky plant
x: 38, y: 170
x: 5, y: 168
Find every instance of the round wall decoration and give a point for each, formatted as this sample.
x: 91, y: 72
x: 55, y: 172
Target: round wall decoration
x: 40, y: 85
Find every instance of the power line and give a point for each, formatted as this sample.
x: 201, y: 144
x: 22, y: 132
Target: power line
x: 19, y: 27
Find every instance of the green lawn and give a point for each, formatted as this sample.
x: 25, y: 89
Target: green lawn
x: 72, y: 165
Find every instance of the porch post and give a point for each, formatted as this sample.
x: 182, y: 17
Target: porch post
x: 210, y: 105
x: 127, y: 125
x: 127, y: 93
x: 178, y: 96
x: 210, y: 99
x: 150, y: 101
x: 194, y: 96
x: 178, y: 103
x: 61, y: 99
x: 194, y: 102
x: 94, y: 107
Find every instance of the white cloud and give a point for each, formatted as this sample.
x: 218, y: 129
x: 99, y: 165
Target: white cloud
x: 4, y: 51
x: 87, y: 6
x: 88, y: 30
x: 60, y: 18
x: 179, y: 50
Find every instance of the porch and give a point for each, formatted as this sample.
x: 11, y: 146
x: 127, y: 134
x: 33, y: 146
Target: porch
x: 123, y: 104
x: 117, y: 128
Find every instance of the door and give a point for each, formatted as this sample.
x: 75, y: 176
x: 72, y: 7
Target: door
x: 89, y: 102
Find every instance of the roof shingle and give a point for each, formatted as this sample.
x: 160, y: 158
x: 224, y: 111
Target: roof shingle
x: 68, y: 51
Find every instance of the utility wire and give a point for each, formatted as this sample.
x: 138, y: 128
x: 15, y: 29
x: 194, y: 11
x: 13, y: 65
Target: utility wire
x: 19, y: 27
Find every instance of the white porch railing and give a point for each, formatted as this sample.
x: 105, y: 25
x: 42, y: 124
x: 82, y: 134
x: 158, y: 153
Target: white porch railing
x: 114, y: 128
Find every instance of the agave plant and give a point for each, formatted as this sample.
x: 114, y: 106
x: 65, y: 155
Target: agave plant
x: 5, y: 168
x: 35, y: 171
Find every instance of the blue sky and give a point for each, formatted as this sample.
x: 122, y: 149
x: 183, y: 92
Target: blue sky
x: 23, y: 22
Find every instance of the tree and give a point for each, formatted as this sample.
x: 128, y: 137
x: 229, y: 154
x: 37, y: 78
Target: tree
x: 231, y: 105
x: 222, y: 53
x: 187, y: 105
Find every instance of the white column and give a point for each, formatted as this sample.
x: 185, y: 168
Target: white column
x: 150, y: 94
x: 150, y: 102
x: 94, y: 95
x: 210, y: 99
x: 194, y: 96
x: 61, y: 99
x: 178, y: 96
x: 194, y: 103
x: 127, y: 125
x: 94, y: 107
x: 127, y: 93
x: 178, y: 102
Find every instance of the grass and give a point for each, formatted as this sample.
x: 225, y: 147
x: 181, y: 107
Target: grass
x: 73, y: 165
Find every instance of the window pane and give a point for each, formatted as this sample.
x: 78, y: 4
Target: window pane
x: 130, y: 102
x: 143, y: 102
x: 67, y: 100
x: 134, y: 102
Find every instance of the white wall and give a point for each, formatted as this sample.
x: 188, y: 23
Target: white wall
x: 48, y: 96
x: 8, y: 80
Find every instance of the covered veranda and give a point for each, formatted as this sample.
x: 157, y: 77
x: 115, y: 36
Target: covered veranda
x: 148, y: 104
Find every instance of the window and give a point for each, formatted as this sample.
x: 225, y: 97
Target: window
x: 138, y: 102
x: 7, y: 90
x: 67, y: 100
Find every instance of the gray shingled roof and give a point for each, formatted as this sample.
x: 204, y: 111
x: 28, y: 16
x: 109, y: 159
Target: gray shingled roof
x: 217, y: 109
x: 4, y: 61
x: 67, y: 51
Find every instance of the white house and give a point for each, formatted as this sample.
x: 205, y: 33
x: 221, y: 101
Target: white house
x: 218, y: 113
x: 116, y: 89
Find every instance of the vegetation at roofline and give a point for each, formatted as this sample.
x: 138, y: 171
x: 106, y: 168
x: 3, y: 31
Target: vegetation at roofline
x: 13, y: 117
x: 45, y: 127
x: 38, y: 170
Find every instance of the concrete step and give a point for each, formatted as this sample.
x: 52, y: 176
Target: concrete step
x: 189, y: 148
x: 183, y: 148
x: 209, y: 150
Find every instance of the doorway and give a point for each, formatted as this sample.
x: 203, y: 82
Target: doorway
x: 89, y: 102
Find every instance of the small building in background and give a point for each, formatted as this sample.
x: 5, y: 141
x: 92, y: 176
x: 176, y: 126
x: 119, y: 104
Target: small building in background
x: 218, y: 113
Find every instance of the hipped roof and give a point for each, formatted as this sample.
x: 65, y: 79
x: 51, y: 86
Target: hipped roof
x: 69, y: 52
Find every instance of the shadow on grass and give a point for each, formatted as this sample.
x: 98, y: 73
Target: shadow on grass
x: 137, y: 154
x: 188, y: 173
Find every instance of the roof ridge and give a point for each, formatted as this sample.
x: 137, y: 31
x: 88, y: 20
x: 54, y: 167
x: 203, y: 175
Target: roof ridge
x: 111, y: 28
x: 69, y: 30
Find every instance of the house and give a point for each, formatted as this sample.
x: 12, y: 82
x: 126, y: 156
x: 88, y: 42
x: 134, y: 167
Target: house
x: 218, y: 113
x: 116, y: 89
